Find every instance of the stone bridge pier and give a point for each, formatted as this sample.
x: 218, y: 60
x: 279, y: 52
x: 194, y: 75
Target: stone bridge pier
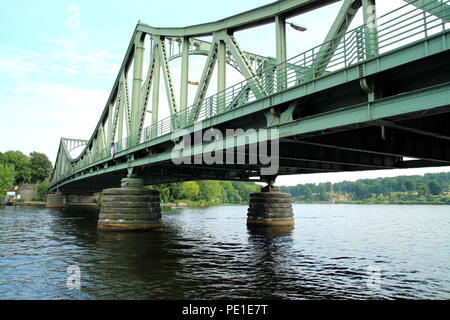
x: 130, y: 207
x: 56, y: 200
x: 270, y: 207
x: 60, y: 200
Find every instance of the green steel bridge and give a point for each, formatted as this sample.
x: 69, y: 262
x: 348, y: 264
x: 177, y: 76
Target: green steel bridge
x: 374, y: 97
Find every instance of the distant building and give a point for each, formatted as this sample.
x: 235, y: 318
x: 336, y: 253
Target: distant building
x: 27, y: 191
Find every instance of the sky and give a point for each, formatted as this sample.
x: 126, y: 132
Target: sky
x: 59, y: 60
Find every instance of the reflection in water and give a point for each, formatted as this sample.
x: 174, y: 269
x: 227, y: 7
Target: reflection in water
x: 268, y: 248
x: 210, y: 253
x: 270, y: 232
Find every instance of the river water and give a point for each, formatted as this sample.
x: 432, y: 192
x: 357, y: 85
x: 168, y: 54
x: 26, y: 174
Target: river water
x: 334, y: 251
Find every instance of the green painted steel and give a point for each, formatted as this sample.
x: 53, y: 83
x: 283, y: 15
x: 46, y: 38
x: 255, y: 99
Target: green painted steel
x: 415, y: 30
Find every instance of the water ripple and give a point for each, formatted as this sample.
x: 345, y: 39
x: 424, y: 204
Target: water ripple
x: 209, y: 253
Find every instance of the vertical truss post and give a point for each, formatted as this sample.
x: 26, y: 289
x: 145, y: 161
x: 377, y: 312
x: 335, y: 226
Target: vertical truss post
x: 155, y: 94
x: 221, y: 75
x: 101, y: 141
x: 280, y: 28
x: 127, y: 108
x: 370, y: 22
x: 110, y: 132
x: 184, y: 80
x: 121, y: 117
x: 116, y: 115
x: 184, y: 74
x: 137, y: 84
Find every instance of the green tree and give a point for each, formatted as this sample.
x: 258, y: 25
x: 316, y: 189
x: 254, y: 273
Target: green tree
x: 245, y: 189
x: 41, y: 167
x: 41, y: 190
x: 7, y: 177
x: 190, y: 190
x: 308, y: 193
x: 164, y: 191
x: 361, y: 191
x: 231, y: 194
x: 410, y: 184
x: 21, y: 164
x: 422, y: 189
x: 434, y: 187
x: 175, y: 190
x: 210, y: 190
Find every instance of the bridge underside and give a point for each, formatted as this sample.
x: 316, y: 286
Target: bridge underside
x: 403, y: 124
x: 417, y: 136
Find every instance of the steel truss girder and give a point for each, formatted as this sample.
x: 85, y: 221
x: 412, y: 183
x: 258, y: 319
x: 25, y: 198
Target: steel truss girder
x: 255, y: 17
x: 134, y: 114
x: 399, y: 145
x: 434, y: 7
x: 413, y: 130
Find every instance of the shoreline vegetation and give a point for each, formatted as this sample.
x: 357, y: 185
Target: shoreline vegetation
x: 431, y: 188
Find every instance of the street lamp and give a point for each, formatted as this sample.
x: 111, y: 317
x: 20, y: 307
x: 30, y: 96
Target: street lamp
x: 297, y: 26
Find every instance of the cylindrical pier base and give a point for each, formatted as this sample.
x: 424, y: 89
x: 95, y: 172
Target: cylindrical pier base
x: 56, y: 200
x: 271, y: 208
x: 130, y: 208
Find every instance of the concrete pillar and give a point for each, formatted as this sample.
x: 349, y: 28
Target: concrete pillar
x: 270, y: 207
x: 56, y: 200
x: 130, y: 208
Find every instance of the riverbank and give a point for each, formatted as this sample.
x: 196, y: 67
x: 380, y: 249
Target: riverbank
x: 197, y: 204
x: 373, y: 202
x: 29, y: 203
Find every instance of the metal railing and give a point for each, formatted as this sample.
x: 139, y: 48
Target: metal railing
x: 409, y: 25
x: 392, y: 30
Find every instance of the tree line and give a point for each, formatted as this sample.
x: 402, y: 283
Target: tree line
x: 16, y: 168
x: 408, y: 188
x: 206, y: 192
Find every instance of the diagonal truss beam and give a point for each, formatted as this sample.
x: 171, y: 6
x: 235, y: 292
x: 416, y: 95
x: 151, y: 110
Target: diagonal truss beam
x: 244, y: 65
x: 335, y: 34
x: 126, y: 104
x: 170, y: 91
x: 145, y: 90
x: 204, y: 81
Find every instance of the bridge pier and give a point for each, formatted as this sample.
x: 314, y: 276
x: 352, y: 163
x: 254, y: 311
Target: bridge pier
x: 81, y: 200
x: 130, y: 208
x: 56, y: 200
x: 270, y: 207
